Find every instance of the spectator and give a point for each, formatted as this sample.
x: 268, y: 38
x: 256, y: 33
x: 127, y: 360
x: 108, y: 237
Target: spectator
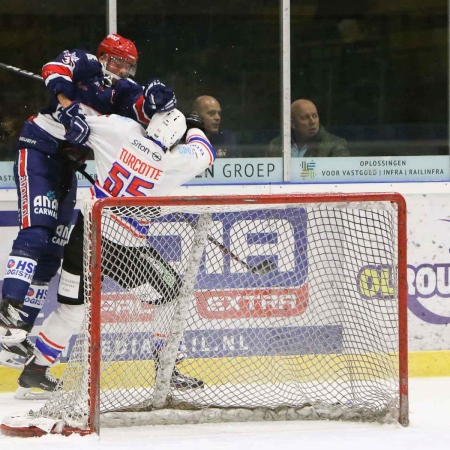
x: 309, y: 138
x: 224, y: 142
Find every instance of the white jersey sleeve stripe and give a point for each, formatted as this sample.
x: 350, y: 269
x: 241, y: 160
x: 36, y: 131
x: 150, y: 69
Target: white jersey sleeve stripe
x: 57, y: 75
x: 56, y: 63
x: 205, y: 143
x: 138, y: 109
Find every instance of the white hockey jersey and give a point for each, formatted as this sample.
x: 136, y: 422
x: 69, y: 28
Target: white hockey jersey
x: 129, y: 164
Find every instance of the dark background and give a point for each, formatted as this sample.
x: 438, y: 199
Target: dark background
x: 376, y: 69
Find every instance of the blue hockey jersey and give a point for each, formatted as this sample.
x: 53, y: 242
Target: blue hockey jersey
x: 78, y: 75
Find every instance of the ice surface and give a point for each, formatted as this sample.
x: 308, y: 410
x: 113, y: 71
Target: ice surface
x: 429, y: 428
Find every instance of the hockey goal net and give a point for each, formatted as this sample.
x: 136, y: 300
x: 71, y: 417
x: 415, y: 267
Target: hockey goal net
x: 284, y: 307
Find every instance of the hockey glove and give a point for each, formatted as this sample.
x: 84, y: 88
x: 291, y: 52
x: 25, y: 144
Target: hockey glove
x: 193, y: 120
x: 65, y: 115
x: 159, y: 97
x: 78, y: 131
x: 124, y: 91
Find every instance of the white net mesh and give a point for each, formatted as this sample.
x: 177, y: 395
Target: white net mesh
x: 285, y: 312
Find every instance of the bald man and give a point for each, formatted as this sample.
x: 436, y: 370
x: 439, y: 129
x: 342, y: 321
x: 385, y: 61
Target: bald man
x: 224, y: 142
x: 209, y: 109
x: 309, y: 139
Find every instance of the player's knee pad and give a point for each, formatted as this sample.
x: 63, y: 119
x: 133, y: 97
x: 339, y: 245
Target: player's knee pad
x: 47, y: 268
x: 170, y: 290
x: 31, y: 242
x: 152, y: 298
x: 156, y: 294
x: 164, y: 300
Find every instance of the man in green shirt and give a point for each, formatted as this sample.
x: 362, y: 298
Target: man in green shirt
x: 309, y: 139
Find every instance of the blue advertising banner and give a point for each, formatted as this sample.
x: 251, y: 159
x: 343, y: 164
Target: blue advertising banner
x: 235, y: 342
x: 371, y: 170
x: 303, y: 170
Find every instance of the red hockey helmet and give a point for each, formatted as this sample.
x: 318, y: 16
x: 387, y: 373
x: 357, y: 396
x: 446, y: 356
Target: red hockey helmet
x: 119, y: 50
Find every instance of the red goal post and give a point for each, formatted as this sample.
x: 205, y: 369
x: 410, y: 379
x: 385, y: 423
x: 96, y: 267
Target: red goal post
x: 291, y: 307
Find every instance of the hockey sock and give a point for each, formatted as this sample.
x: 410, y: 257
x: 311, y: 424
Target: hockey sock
x: 34, y: 301
x: 28, y: 247
x: 56, y: 332
x: 162, y: 319
x: 18, y: 276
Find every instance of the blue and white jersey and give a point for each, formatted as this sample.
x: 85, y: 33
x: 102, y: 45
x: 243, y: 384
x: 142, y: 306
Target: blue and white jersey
x: 78, y: 75
x: 129, y: 164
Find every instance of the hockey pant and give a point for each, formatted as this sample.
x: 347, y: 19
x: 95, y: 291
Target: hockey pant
x: 46, y: 188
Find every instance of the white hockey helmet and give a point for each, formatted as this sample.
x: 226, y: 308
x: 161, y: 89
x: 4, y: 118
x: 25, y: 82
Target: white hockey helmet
x: 167, y: 128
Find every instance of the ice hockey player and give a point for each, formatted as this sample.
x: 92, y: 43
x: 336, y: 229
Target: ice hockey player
x: 49, y: 149
x: 122, y: 148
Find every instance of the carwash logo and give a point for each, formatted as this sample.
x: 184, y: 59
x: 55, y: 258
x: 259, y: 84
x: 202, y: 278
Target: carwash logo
x: 426, y: 281
x: 46, y: 204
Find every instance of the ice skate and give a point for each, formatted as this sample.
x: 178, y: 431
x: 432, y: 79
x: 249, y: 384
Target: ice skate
x: 183, y: 382
x: 13, y: 329
x: 178, y: 380
x: 14, y: 355
x: 35, y: 376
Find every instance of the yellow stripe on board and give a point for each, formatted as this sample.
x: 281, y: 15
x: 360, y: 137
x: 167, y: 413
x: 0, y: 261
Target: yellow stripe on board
x: 429, y: 364
x: 268, y: 369
x: 8, y: 377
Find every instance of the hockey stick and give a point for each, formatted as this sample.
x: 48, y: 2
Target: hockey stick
x: 262, y: 268
x: 22, y: 72
x: 38, y: 77
x: 86, y: 175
